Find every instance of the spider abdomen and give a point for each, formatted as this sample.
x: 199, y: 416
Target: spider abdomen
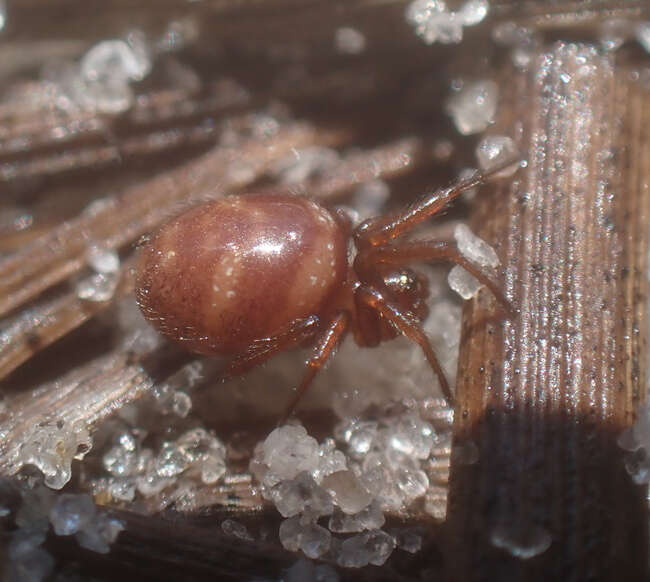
x: 240, y: 269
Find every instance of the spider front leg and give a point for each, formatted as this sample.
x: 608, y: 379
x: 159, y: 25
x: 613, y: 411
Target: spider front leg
x: 325, y: 346
x: 408, y: 325
x: 424, y: 251
x: 379, y: 231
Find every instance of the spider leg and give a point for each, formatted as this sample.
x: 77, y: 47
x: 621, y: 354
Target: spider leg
x: 323, y: 350
x: 409, y: 326
x: 379, y: 231
x: 261, y: 350
x: 428, y: 251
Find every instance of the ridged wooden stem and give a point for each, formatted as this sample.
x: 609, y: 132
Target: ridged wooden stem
x: 545, y: 395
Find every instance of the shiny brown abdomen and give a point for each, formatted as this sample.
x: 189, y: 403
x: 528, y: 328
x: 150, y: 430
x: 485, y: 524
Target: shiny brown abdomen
x: 240, y: 269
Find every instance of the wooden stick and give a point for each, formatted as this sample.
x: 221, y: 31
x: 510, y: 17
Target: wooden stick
x: 545, y: 396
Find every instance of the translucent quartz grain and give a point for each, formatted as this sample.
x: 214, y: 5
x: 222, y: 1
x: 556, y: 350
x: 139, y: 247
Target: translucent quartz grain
x: 474, y: 106
x: 288, y: 450
x: 311, y: 538
x: 474, y: 11
x: 369, y: 518
x: 434, y: 22
x: 299, y: 495
x: 236, y: 529
x: 494, y: 150
x: 373, y: 547
x: 72, y: 513
x: 99, y: 534
x: 347, y: 492
x: 476, y: 250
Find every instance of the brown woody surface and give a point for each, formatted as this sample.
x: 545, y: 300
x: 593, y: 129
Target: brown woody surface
x: 545, y: 395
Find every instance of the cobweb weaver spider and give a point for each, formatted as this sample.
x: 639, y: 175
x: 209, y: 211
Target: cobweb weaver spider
x: 249, y: 276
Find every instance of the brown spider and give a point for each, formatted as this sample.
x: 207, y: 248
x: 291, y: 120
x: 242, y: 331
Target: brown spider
x: 249, y: 276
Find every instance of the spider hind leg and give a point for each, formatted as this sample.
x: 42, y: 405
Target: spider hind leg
x: 325, y: 347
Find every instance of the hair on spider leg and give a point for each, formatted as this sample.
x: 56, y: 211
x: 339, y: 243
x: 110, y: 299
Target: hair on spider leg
x: 248, y: 276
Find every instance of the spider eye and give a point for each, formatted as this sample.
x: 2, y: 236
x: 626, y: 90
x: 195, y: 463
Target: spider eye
x: 409, y: 290
x: 401, y: 282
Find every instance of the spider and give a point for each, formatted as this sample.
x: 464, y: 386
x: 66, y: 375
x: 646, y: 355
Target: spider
x: 247, y: 276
